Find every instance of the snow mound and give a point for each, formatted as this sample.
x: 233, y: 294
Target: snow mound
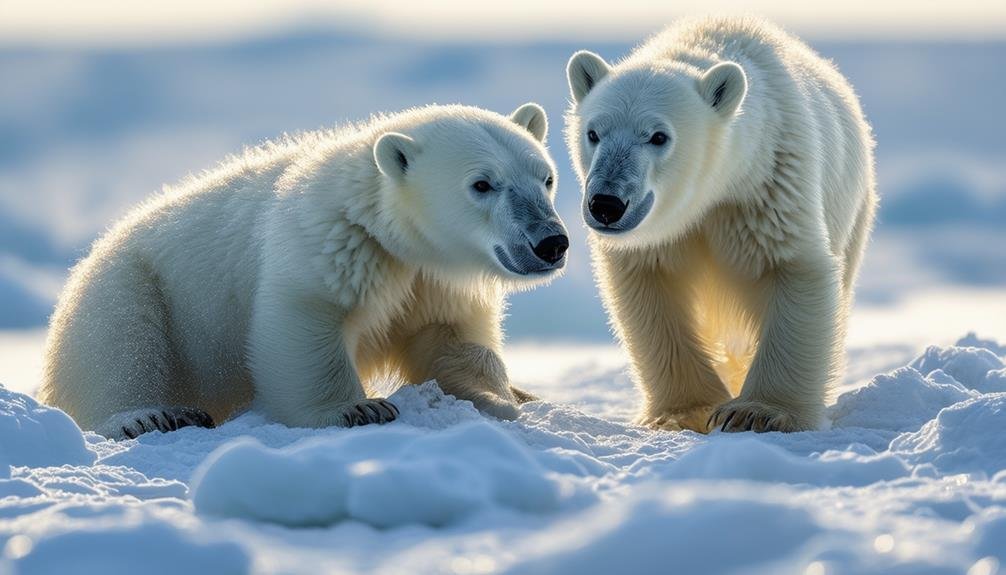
x: 754, y: 460
x: 135, y: 543
x: 972, y: 340
x: 967, y: 365
x: 994, y: 382
x: 990, y: 526
x: 36, y: 435
x: 384, y: 477
x: 749, y: 530
x: 425, y: 405
x: 903, y: 400
x: 966, y: 437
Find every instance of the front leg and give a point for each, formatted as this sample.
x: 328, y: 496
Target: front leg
x: 302, y: 372
x: 462, y: 368
x: 652, y: 307
x: 799, y: 352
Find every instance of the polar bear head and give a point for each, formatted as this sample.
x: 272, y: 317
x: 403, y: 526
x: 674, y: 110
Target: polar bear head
x: 473, y: 193
x: 646, y: 139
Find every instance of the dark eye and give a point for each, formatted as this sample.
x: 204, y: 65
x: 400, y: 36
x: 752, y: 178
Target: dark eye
x: 482, y: 186
x: 592, y: 136
x: 658, y: 139
x: 548, y: 182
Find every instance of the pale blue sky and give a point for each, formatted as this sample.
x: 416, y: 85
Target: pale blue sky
x: 126, y: 21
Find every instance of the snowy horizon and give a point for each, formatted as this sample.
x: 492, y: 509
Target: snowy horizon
x: 85, y: 134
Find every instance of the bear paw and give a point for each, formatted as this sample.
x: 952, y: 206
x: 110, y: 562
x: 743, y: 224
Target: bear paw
x: 694, y: 419
x: 523, y: 396
x: 132, y: 424
x: 747, y: 415
x: 496, y: 406
x: 376, y: 410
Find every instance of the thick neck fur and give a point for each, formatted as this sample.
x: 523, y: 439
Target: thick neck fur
x: 348, y: 205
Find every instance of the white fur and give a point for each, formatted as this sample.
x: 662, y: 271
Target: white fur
x: 303, y: 269
x: 738, y: 279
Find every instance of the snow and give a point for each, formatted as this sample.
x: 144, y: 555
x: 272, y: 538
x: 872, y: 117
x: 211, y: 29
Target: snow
x: 381, y: 477
x: 903, y: 400
x: 909, y: 478
x: 35, y: 435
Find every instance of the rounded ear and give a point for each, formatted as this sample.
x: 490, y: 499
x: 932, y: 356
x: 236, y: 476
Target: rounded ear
x: 724, y: 86
x: 393, y: 152
x: 532, y: 118
x: 584, y: 71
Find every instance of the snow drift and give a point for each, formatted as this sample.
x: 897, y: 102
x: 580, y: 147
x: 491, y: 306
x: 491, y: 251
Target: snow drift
x: 909, y: 478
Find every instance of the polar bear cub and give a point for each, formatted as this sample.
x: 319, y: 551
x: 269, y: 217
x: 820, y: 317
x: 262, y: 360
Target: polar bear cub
x: 301, y: 270
x: 728, y: 181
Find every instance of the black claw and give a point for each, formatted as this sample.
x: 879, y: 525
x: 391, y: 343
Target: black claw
x: 727, y: 422
x: 365, y: 409
x: 129, y: 432
x: 142, y: 426
x: 170, y: 422
x: 392, y: 407
x: 206, y: 420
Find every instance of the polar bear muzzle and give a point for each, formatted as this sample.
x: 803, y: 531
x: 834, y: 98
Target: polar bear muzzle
x: 534, y: 256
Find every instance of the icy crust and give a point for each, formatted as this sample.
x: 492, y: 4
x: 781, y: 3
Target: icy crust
x: 908, y: 479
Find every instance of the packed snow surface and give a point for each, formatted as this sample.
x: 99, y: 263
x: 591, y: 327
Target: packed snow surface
x: 908, y: 478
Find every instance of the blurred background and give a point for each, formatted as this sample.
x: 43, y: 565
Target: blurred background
x: 103, y: 102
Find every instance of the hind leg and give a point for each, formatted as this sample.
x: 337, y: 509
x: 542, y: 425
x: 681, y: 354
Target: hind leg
x: 108, y: 349
x: 464, y: 369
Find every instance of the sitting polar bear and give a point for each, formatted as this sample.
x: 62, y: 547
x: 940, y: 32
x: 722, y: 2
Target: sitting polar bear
x: 728, y: 180
x: 302, y: 269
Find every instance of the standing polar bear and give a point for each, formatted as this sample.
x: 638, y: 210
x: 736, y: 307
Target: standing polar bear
x: 728, y: 180
x: 299, y: 271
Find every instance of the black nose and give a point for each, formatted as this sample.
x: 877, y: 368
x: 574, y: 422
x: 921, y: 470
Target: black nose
x: 552, y: 248
x: 606, y: 209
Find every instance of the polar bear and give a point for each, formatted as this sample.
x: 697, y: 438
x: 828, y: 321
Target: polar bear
x: 728, y: 182
x: 296, y: 273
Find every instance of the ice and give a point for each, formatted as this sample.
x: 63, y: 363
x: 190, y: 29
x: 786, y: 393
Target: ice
x: 909, y: 478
